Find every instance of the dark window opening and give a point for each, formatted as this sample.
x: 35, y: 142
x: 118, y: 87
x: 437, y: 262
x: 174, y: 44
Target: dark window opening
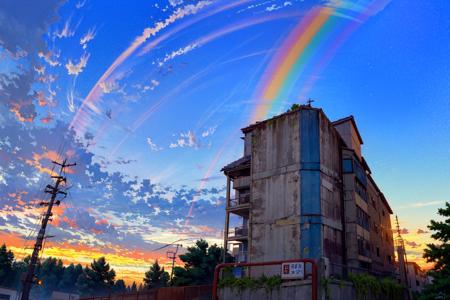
x: 347, y: 166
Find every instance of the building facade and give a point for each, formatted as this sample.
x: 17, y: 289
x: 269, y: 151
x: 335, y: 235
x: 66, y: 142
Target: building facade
x: 302, y: 189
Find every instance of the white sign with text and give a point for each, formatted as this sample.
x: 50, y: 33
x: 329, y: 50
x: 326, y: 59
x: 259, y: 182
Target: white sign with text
x: 293, y: 270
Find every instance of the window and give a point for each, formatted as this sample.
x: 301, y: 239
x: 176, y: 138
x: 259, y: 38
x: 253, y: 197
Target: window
x: 347, y: 166
x: 360, y: 190
x: 363, y: 247
x: 389, y: 258
x: 362, y: 218
x: 378, y: 252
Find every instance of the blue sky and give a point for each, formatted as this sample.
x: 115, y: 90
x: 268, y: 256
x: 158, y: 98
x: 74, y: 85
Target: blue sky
x: 167, y: 118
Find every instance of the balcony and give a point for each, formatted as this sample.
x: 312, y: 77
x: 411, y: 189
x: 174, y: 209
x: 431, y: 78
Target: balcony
x: 238, y: 233
x: 241, y: 200
x: 241, y: 182
x: 240, y: 205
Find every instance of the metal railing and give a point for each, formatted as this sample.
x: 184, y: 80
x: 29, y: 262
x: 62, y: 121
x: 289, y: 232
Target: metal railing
x: 243, y: 199
x: 241, y: 231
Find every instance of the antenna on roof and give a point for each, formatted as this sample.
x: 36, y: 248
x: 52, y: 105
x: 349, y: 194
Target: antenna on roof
x: 309, y: 102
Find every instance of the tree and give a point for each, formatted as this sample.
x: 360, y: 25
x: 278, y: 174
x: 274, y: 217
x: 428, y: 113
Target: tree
x: 98, y: 279
x: 156, y: 277
x: 50, y: 272
x: 69, y: 278
x: 439, y: 254
x: 133, y: 287
x: 6, y: 266
x: 120, y: 287
x: 199, y: 264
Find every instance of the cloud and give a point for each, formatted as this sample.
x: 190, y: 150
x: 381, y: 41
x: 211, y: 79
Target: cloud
x: 209, y: 131
x: 70, y: 101
x: 65, y: 32
x: 175, y: 2
x: 420, y: 231
x: 80, y: 4
x: 404, y: 231
x: 178, y: 52
x: 108, y: 86
x: 89, y: 36
x: 21, y: 35
x: 185, y: 140
x: 149, y: 32
x: 75, y: 69
x: 153, y: 146
x: 274, y: 7
x: 50, y: 58
x: 412, y: 244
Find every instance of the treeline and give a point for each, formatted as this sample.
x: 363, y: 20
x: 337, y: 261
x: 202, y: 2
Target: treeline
x: 99, y: 278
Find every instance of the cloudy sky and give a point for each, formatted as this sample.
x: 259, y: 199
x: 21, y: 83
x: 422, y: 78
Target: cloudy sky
x: 148, y: 98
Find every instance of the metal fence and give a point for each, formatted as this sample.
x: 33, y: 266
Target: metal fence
x: 199, y: 292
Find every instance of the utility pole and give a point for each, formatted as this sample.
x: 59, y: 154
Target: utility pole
x: 402, y: 259
x: 54, y: 191
x: 173, y: 255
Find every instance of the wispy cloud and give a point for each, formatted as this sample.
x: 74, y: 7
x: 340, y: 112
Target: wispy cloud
x: 209, y: 131
x: 185, y: 140
x: 75, y: 69
x: 50, y: 57
x: 178, y: 52
x: 429, y: 203
x: 153, y: 146
x: 70, y: 101
x: 274, y: 7
x: 175, y: 2
x: 80, y: 4
x: 108, y: 87
x: 89, y: 36
x: 65, y: 32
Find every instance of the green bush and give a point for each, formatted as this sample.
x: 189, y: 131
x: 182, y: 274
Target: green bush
x: 385, y: 288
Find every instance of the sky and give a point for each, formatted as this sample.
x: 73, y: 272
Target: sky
x: 148, y: 99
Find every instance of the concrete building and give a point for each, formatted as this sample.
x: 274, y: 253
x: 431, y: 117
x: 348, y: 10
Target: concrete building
x: 302, y: 189
x: 417, y: 279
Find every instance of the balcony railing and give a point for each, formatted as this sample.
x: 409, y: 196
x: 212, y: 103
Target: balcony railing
x: 243, y: 199
x: 238, y: 232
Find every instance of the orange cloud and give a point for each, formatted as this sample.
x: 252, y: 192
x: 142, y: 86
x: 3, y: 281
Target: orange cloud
x: 15, y: 108
x: 49, y: 155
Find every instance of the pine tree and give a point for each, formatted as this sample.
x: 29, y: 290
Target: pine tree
x: 199, y: 264
x: 119, y: 287
x: 133, y: 287
x: 69, y: 278
x: 98, y: 279
x: 439, y: 254
x: 156, y: 277
x: 6, y: 266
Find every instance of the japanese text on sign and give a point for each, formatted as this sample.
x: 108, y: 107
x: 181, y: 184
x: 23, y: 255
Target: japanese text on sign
x: 295, y: 270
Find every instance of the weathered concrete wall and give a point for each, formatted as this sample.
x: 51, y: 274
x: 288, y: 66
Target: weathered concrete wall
x: 380, y: 232
x: 274, y: 221
x: 330, y: 191
x: 295, y: 290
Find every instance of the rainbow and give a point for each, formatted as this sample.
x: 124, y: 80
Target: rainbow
x: 306, y: 51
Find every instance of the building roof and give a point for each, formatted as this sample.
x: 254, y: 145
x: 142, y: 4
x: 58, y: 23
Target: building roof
x: 351, y: 119
x: 242, y: 162
x: 259, y: 123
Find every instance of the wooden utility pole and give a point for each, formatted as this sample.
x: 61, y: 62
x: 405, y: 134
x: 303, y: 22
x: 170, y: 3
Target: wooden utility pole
x: 54, y: 191
x: 173, y: 255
